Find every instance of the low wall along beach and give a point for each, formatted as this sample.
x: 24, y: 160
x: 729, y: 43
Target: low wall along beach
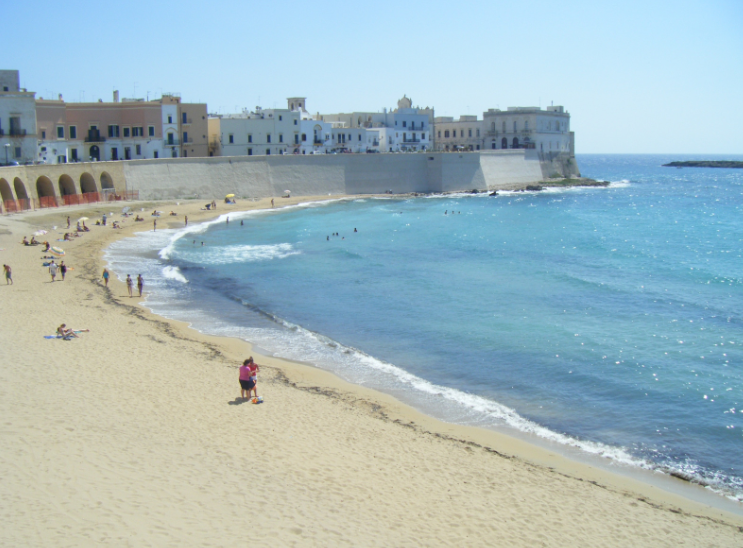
x: 268, y: 176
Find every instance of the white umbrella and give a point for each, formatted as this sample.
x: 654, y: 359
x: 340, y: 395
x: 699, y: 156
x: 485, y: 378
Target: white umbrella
x: 81, y: 219
x: 287, y: 192
x: 39, y: 232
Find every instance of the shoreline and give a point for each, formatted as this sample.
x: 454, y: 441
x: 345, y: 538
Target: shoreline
x: 324, y: 404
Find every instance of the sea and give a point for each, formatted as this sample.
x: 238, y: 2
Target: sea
x: 607, y: 321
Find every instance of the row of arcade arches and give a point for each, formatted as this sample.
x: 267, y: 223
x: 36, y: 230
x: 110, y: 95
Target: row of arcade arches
x: 45, y: 188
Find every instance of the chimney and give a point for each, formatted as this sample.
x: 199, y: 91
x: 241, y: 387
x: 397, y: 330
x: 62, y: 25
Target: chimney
x: 116, y: 96
x: 60, y: 97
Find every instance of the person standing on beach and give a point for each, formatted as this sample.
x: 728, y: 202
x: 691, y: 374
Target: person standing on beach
x: 105, y: 276
x: 53, y: 269
x: 129, y: 284
x: 246, y: 384
x: 253, y: 376
x: 62, y: 269
x: 8, y: 275
x: 140, y: 284
x: 186, y: 220
x: 68, y: 221
x: 154, y: 225
x: 271, y: 203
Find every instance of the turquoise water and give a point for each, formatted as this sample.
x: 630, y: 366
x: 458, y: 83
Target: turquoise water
x: 607, y: 319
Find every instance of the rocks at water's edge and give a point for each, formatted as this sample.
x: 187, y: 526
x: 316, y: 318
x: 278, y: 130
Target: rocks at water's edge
x: 706, y: 163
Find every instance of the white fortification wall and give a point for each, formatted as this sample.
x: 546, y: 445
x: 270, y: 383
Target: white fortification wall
x: 305, y: 175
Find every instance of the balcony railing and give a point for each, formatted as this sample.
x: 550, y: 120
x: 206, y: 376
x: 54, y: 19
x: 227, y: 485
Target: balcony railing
x: 188, y: 141
x: 493, y: 133
x: 17, y: 132
x: 187, y: 121
x: 95, y: 137
x: 318, y: 142
x: 171, y: 142
x: 411, y: 140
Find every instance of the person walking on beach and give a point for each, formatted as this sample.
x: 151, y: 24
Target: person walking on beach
x: 140, y: 284
x: 105, y: 276
x: 8, y: 275
x: 53, y: 269
x: 186, y: 220
x: 62, y: 269
x: 154, y: 225
x: 253, y: 367
x: 129, y: 284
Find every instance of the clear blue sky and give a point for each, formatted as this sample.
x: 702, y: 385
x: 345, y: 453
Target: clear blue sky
x: 636, y: 76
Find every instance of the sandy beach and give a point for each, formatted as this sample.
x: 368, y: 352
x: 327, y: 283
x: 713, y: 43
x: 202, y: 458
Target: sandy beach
x: 134, y: 434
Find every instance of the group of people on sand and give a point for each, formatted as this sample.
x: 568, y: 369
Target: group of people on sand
x: 249, y: 380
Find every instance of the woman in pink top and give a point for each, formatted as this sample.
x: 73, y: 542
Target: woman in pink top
x: 247, y: 382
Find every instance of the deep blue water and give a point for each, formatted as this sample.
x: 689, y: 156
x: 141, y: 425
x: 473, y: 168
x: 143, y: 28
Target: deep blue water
x: 603, y: 318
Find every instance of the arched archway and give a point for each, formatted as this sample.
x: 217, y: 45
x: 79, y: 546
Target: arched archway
x: 106, y: 181
x: 95, y: 153
x: 45, y: 191
x: 20, y: 189
x: 504, y: 143
x: 87, y: 183
x: 66, y: 185
x: 515, y: 142
x: 5, y: 192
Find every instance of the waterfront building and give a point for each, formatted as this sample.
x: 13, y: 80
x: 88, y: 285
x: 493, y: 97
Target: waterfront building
x: 547, y: 131
x: 17, y: 120
x: 130, y: 129
x: 458, y: 135
x: 263, y: 132
x: 407, y: 128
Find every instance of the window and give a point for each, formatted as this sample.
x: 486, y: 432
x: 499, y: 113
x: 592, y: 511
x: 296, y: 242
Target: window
x: 514, y: 126
x: 127, y: 153
x: 359, y: 136
x: 404, y: 123
x: 60, y: 132
x: 138, y: 149
x: 43, y: 134
x: 73, y: 154
x: 137, y: 132
x: 526, y: 124
x: 280, y: 118
x: 151, y: 131
x: 126, y: 132
x: 185, y: 118
x: 250, y: 152
x: 268, y: 152
x: 156, y: 154
x: 304, y: 137
x: 423, y: 136
x: 281, y: 137
x: 73, y: 132
x: 171, y: 139
x: 469, y: 133
x: 232, y: 139
x: 170, y: 119
x: 114, y: 153
x: 478, y: 134
x: 268, y: 137
x: 295, y: 122
x: 446, y: 133
x: 296, y: 139
x: 250, y: 138
x: 185, y: 137
x: 504, y: 126
x: 185, y: 154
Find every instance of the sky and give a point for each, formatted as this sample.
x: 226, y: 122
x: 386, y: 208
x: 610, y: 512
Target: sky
x: 636, y: 76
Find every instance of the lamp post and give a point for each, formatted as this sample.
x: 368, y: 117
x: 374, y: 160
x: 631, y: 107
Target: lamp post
x: 7, y: 148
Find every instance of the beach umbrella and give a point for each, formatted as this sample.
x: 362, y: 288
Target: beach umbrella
x: 81, y: 219
x: 230, y: 196
x: 287, y: 192
x: 127, y: 209
x: 58, y: 251
x: 39, y: 232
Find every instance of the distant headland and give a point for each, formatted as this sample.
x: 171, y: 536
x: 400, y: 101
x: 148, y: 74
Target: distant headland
x: 706, y: 163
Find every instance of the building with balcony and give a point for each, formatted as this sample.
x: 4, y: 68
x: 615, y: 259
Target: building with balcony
x: 452, y: 135
x: 264, y: 132
x: 547, y: 131
x: 408, y: 128
x: 130, y: 129
x: 17, y: 120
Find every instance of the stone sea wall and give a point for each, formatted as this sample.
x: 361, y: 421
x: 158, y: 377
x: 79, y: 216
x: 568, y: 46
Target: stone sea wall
x: 306, y: 175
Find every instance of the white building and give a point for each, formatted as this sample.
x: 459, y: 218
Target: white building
x: 17, y: 120
x: 547, y: 131
x: 270, y: 131
x: 406, y: 129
